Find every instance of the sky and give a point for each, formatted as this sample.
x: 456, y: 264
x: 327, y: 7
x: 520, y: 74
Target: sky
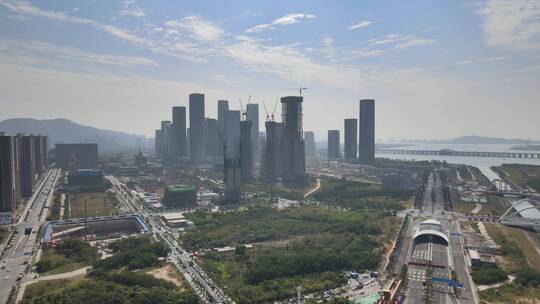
x: 436, y: 69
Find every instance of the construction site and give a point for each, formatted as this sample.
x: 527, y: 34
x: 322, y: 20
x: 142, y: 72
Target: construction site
x: 94, y: 228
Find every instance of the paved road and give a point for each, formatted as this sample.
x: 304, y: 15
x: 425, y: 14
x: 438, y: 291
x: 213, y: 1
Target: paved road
x: 448, y: 256
x: 467, y: 295
x: 207, y: 290
x: 16, y: 259
x: 316, y: 188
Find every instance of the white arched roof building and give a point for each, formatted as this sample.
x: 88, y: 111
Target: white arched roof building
x: 430, y: 227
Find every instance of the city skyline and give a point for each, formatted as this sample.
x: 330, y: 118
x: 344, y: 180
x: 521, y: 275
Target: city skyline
x: 132, y: 60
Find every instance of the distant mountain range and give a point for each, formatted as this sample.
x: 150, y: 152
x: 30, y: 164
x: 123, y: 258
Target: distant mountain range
x: 526, y: 148
x: 66, y: 131
x: 478, y: 140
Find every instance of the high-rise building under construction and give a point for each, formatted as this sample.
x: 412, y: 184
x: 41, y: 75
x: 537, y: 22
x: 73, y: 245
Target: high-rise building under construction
x: 293, y: 163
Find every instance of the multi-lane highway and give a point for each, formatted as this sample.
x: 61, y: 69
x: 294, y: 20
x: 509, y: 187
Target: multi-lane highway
x: 433, y: 258
x: 18, y: 254
x: 205, y: 288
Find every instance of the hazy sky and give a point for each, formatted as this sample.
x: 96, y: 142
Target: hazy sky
x: 436, y: 69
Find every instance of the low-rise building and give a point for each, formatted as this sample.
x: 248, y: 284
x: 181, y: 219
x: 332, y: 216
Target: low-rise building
x: 180, y: 196
x: 176, y: 220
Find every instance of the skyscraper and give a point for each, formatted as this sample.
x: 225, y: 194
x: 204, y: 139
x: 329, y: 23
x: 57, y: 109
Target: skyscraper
x: 27, y: 164
x: 309, y: 138
x: 223, y: 108
x: 179, y: 132
x: 158, y: 142
x: 213, y: 145
x: 196, y: 126
x: 10, y: 192
x: 351, y: 142
x: 333, y: 144
x: 293, y: 161
x: 246, y: 155
x: 232, y: 133
x: 40, y: 153
x: 270, y: 164
x: 366, y: 146
x: 164, y: 139
x: 252, y: 111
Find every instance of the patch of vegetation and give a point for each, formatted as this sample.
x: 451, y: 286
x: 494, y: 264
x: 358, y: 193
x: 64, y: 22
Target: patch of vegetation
x: 71, y: 254
x: 97, y: 291
x: 488, y: 275
x: 356, y: 195
x: 41, y: 288
x: 326, y: 252
x: 133, y: 253
x: 111, y: 280
x: 480, y: 177
x: 510, y: 293
x: 91, y: 188
x: 129, y: 278
x: 55, y: 208
x: 528, y: 277
x: 464, y: 172
x: 261, y: 224
x: 230, y: 274
x: 306, y: 246
x: 522, y: 175
x: 515, y: 246
x: 3, y: 234
x: 97, y: 203
x: 292, y: 191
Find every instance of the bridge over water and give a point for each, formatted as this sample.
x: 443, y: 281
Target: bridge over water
x: 447, y: 152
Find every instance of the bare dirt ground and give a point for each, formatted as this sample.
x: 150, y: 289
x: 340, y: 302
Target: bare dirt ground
x: 168, y: 273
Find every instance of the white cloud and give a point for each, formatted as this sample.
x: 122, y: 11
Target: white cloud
x: 359, y: 24
x: 27, y: 8
x: 365, y: 53
x: 197, y: 28
x: 285, y: 20
x: 482, y: 60
x: 328, y: 41
x: 511, y: 24
x: 401, y: 41
x: 414, y: 41
x: 134, y: 12
x: 18, y: 50
x: 390, y: 38
x: 229, y: 79
x: 289, y: 63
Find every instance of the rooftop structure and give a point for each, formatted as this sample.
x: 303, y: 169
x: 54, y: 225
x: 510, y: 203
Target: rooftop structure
x: 430, y: 228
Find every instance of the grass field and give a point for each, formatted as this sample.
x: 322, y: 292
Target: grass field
x: 523, y: 175
x: 97, y: 204
x: 358, y: 196
x: 43, y: 287
x: 517, y: 249
x: 511, y: 293
x: 61, y: 263
x: 494, y: 206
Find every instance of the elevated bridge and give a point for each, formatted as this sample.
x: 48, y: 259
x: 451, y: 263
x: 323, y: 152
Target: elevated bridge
x: 447, y: 152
